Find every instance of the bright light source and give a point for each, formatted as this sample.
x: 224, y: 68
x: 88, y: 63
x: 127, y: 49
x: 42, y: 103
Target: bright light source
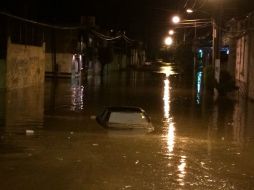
x: 171, y: 32
x: 168, y: 41
x: 175, y: 19
x: 189, y: 11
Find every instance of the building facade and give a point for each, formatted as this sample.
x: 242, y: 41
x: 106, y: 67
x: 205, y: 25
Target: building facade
x: 240, y: 38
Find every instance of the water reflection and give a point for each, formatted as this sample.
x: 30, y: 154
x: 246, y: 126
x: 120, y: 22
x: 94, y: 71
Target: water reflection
x: 199, y: 77
x: 182, y: 170
x: 171, y: 137
x: 242, y: 121
x: 77, y: 98
x: 167, y: 70
x: 170, y: 124
x: 166, y: 99
x: 168, y: 120
x: 177, y: 160
x: 2, y: 108
x: 23, y: 109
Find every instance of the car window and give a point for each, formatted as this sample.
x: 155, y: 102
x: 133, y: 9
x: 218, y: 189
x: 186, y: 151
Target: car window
x: 104, y: 115
x: 127, y: 118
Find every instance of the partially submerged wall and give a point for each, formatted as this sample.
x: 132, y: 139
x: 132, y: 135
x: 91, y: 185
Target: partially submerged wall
x: 251, y: 65
x: 63, y: 61
x: 24, y: 107
x: 241, y: 65
x: 243, y: 43
x: 2, y: 73
x: 25, y: 65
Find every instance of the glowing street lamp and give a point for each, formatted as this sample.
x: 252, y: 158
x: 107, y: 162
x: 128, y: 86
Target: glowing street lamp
x: 176, y: 19
x: 171, y: 32
x: 189, y: 11
x: 168, y: 41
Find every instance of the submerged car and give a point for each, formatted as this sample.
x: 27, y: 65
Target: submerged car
x: 123, y: 117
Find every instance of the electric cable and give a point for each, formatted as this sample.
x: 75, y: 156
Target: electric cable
x: 40, y: 23
x: 99, y: 35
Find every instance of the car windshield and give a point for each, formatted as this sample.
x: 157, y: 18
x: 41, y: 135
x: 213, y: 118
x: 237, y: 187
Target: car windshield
x: 127, y: 118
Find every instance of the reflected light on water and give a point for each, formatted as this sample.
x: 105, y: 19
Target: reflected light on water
x: 169, y: 123
x: 77, y: 98
x: 168, y: 119
x: 199, y: 86
x: 182, y: 171
x: 166, y: 99
x: 171, y: 137
x: 167, y: 70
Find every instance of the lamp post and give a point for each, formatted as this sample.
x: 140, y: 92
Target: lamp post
x: 190, y: 23
x: 212, y: 21
x: 216, y: 31
x: 215, y: 21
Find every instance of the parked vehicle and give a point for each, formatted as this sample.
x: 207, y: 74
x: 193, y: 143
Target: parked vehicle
x: 124, y: 117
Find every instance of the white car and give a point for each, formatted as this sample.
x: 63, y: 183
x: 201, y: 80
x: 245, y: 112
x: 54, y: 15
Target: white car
x: 123, y: 117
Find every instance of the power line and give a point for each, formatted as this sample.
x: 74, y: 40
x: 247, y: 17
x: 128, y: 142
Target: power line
x: 105, y: 37
x: 40, y: 23
x: 97, y: 34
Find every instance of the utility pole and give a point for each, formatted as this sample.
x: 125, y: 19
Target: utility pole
x: 217, y: 42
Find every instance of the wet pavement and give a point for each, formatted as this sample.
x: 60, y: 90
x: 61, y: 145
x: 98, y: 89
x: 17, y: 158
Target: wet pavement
x: 48, y: 139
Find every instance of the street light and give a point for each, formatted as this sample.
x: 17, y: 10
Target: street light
x: 176, y: 19
x: 171, y: 32
x: 189, y: 11
x: 216, y: 35
x: 168, y: 41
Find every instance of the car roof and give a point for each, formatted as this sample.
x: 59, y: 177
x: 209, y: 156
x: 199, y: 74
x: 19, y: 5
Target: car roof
x: 124, y: 109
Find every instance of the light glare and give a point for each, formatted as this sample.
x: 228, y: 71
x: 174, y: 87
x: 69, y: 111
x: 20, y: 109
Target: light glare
x: 176, y: 19
x: 171, y: 32
x: 168, y: 41
x: 189, y: 11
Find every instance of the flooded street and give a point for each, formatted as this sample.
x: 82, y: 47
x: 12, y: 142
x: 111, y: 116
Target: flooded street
x: 49, y: 139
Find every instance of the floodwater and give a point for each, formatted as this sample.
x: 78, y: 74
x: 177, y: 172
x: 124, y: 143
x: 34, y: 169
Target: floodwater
x: 48, y: 139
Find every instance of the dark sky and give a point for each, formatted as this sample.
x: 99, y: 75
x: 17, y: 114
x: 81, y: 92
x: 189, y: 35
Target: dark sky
x: 120, y: 13
x: 142, y: 19
x: 113, y: 10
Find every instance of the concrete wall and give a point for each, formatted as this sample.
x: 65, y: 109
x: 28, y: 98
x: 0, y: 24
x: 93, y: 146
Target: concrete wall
x: 24, y: 108
x: 25, y: 65
x: 2, y: 109
x: 251, y: 67
x: 241, y: 65
x: 2, y: 73
x: 230, y: 65
x: 63, y: 61
x: 119, y: 62
x: 138, y: 57
x: 242, y: 58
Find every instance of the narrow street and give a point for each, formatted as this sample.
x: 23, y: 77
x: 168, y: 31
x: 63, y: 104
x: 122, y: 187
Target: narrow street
x: 49, y: 139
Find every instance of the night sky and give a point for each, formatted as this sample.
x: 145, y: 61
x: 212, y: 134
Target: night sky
x: 141, y: 19
x: 111, y: 11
